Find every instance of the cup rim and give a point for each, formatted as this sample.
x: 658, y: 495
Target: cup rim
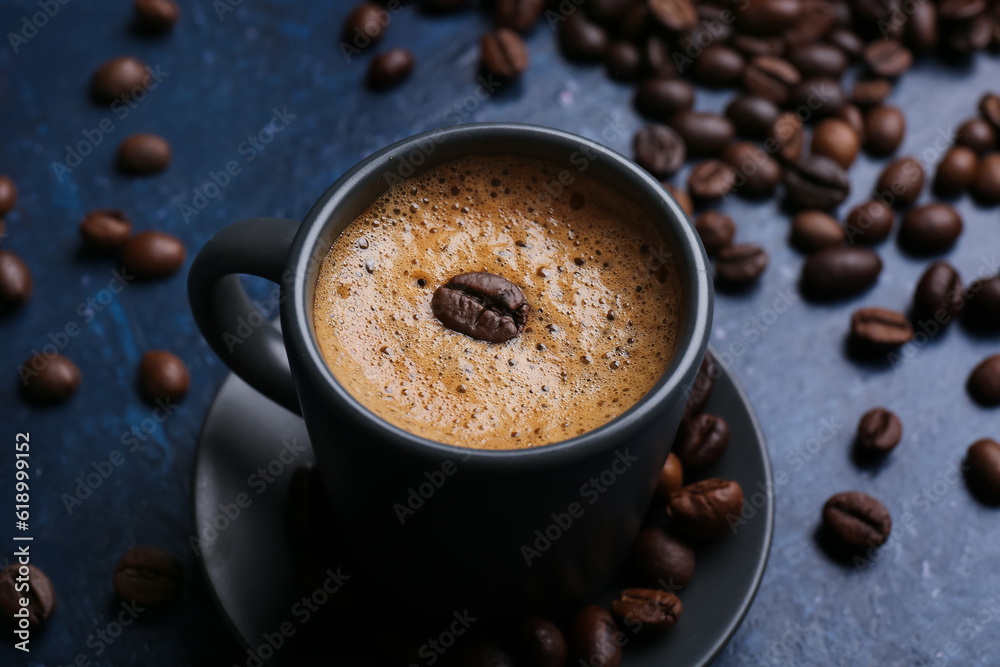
x: 690, y: 347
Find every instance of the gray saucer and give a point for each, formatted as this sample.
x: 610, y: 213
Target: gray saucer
x: 249, y: 563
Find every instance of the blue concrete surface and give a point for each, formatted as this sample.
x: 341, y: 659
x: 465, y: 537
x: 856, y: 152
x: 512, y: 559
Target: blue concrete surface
x: 930, y: 597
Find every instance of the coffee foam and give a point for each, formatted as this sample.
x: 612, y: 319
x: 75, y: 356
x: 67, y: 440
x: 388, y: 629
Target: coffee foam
x: 605, y: 301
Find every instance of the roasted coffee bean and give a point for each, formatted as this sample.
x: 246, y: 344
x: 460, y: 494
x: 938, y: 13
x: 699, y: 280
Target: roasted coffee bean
x: 705, y: 134
x: 835, y: 273
x: 503, y: 53
x: 542, y: 643
x: 608, y: 12
x: 702, y: 510
x: 15, y: 281
x: 887, y: 58
x: 956, y: 171
x: 682, y: 198
x: 719, y: 66
x: 717, y: 18
x: 153, y: 254
x: 443, y: 6
x: 662, y: 97
x: 582, y: 40
x: 976, y: 134
x: 595, y: 637
x: 921, y: 30
x: 163, y: 376
x: 624, y: 61
x: 851, y: 115
x: 701, y: 442
x: 752, y: 116
x: 702, y: 387
x: 119, y: 79
x: 756, y: 173
x: 966, y: 37
x: 816, y: 17
x: 143, y: 154
x: 869, y: 223
x: 847, y: 41
x: 716, y: 231
x: 816, y: 182
x: 984, y: 381
x: 753, y: 45
x: 835, y: 139
x: 930, y: 228
x: 823, y: 97
x: 105, y: 229
x: 939, y: 293
x: 986, y: 186
x: 858, y: 520
x: 50, y: 378
x: 155, y: 16
x: 739, y: 265
x: 148, y: 576
x: 671, y: 476
x: 40, y: 594
x: 481, y: 305
x: 657, y: 56
x: 767, y: 17
x: 880, y: 328
x: 659, y: 150
x: 885, y: 127
x: 710, y: 180
x: 786, y: 137
x: 982, y: 304
x: 989, y: 109
x: 390, y: 68
x: 518, y: 14
x: 8, y: 195
x: 879, y: 431
x: 647, y: 611
x: 816, y: 59
x: 661, y: 557
x: 675, y: 15
x: 365, y: 25
x: 874, y: 10
x: 871, y: 92
x: 771, y: 78
x: 983, y: 461
x: 815, y: 230
x: 901, y: 182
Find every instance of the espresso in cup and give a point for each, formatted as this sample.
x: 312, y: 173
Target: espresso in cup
x: 603, y: 294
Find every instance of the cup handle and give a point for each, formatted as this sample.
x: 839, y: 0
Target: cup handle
x: 251, y: 347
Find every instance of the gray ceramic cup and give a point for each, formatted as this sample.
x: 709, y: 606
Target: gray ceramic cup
x: 444, y: 527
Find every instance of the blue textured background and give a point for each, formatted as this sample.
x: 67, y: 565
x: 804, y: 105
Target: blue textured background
x: 931, y: 597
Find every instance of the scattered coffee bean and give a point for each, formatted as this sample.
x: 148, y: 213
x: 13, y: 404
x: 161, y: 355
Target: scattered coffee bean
x: 885, y: 127
x: 752, y: 45
x: 836, y: 273
x: 365, y: 25
x: 701, y: 511
x: 705, y: 134
x: 105, y: 229
x: 815, y: 230
x: 390, y: 68
x: 662, y: 97
x: 869, y: 223
x: 593, y: 637
x: 701, y: 442
x: 682, y: 197
x: 922, y: 29
x: 887, y: 58
x: 818, y: 59
x: 871, y: 92
x: 739, y: 265
x: 657, y: 56
x: 481, y: 305
x: 752, y: 116
x: 768, y: 17
x: 822, y: 96
x: 786, y: 137
x: 542, y: 643
x: 939, y: 293
x: 15, y: 281
x: 40, y: 594
x: 984, y: 381
x: 956, y: 171
x: 989, y: 109
x: 8, y: 195
x: 624, y: 61
x: 50, y: 379
x: 858, y: 520
x: 671, y: 476
x: 837, y: 140
x: 503, y: 53
x: 647, y: 611
x: 983, y: 461
x: 976, y: 134
x: 143, y: 154
x: 901, y: 182
x: 986, y: 186
x: 816, y: 17
x: 163, y: 376
x: 153, y: 254
x: 148, y: 576
x: 659, y: 150
x: 982, y: 304
x: 119, y: 79
x: 661, y: 557
x: 771, y: 78
x: 816, y: 182
x: 518, y: 14
x: 879, y: 431
x: 847, y: 41
x: 702, y: 387
x: 880, y: 328
x: 851, y: 115
x: 719, y: 66
x: 155, y: 16
x: 930, y: 228
x: 674, y: 15
x: 710, y: 180
x: 582, y: 40
x: 716, y: 230
x: 756, y: 174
